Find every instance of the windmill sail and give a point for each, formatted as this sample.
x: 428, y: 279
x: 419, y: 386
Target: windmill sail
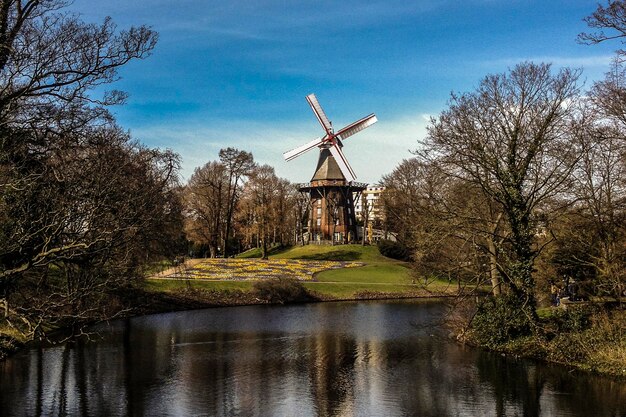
x: 319, y: 113
x: 289, y: 155
x: 357, y: 126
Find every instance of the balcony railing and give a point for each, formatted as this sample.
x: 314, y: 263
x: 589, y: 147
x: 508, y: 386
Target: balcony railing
x: 332, y: 183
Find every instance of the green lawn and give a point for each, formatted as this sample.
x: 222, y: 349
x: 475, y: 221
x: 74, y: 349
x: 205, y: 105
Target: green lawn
x: 388, y: 273
x: 333, y: 253
x: 322, y: 253
x: 379, y: 275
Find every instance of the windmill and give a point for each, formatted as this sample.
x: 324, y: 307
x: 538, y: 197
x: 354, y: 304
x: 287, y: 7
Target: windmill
x: 331, y: 140
x: 332, y: 189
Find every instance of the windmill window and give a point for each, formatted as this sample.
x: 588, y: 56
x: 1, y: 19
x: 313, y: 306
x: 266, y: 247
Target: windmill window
x: 319, y: 222
x: 319, y: 211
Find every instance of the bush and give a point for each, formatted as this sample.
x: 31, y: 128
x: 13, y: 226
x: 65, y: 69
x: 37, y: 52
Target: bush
x: 394, y: 250
x: 499, y: 320
x: 574, y: 319
x: 280, y: 290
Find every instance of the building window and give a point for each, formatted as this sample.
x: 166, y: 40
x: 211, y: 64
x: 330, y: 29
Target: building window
x: 319, y: 222
x: 319, y: 211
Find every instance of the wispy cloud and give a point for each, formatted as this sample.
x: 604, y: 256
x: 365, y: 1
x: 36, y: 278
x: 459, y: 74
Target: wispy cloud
x: 372, y: 153
x: 261, y: 19
x: 226, y: 73
x: 590, y: 61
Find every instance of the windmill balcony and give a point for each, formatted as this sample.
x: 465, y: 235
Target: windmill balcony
x: 331, y: 183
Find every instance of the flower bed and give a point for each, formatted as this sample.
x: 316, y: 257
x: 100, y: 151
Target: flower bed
x: 254, y: 269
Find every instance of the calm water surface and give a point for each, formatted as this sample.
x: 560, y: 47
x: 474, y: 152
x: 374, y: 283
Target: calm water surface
x: 333, y: 359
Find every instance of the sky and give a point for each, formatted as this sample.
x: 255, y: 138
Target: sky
x: 236, y: 73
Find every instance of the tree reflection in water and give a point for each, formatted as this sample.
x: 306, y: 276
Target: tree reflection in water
x: 340, y: 359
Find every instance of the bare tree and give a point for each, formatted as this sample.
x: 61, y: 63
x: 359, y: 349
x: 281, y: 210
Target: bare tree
x: 238, y: 164
x: 96, y: 208
x: 405, y: 189
x: 601, y: 190
x: 366, y: 211
x: 450, y: 227
x: 609, y: 95
x: 511, y: 138
x: 206, y: 201
x: 611, y: 18
x: 49, y: 62
x: 600, y: 184
x: 81, y: 203
x: 301, y: 204
x: 263, y: 186
x: 283, y: 203
x: 50, y: 57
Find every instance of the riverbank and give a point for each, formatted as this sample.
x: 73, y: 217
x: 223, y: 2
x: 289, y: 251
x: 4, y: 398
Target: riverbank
x: 574, y: 338
x: 363, y: 274
x: 588, y: 337
x: 140, y: 301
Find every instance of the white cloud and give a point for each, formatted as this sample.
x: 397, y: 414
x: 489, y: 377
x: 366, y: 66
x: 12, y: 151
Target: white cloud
x: 372, y: 152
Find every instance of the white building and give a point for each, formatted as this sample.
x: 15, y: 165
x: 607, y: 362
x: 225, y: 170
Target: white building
x: 371, y: 195
x: 376, y: 213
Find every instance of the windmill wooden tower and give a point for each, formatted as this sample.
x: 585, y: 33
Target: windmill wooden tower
x: 332, y: 189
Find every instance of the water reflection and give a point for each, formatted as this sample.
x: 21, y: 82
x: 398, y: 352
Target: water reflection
x: 324, y: 360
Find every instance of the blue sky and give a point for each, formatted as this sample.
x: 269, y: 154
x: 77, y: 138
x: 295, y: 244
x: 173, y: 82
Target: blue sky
x: 236, y: 73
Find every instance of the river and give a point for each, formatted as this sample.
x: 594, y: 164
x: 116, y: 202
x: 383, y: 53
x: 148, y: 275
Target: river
x: 379, y: 358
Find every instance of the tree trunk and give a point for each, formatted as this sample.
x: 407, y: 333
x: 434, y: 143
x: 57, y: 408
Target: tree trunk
x: 493, y: 258
x: 229, y: 214
x: 493, y: 268
x: 263, y: 233
x: 364, y: 229
x: 522, y: 282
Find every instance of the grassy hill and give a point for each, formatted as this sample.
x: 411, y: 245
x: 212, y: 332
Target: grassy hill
x: 378, y: 277
x: 322, y: 253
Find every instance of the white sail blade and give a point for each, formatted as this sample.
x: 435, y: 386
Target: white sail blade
x: 319, y: 113
x: 346, y: 169
x: 289, y: 155
x: 357, y: 126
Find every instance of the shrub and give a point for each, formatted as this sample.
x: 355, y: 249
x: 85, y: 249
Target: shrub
x: 574, y: 319
x: 394, y: 250
x: 499, y: 320
x: 280, y: 290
